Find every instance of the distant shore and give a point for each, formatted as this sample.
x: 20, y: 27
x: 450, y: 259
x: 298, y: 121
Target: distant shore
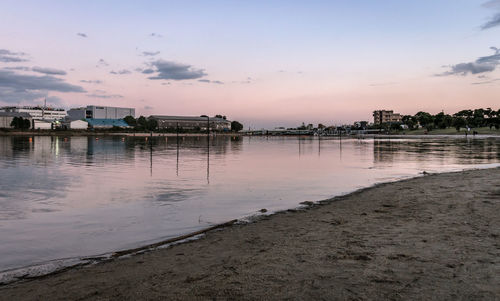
x: 431, y: 237
x: 106, y: 133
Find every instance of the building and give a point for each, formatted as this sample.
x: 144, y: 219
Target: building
x: 75, y: 124
x: 96, y: 123
x: 7, y: 117
x: 39, y: 113
x: 192, y: 123
x: 100, y: 112
x: 385, y: 116
x: 39, y: 124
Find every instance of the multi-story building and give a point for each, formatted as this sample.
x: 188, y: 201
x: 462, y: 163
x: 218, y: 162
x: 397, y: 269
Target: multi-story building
x: 100, y: 112
x: 191, y: 123
x: 39, y: 113
x: 385, y: 116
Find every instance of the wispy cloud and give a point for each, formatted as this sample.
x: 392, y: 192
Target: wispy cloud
x: 481, y: 65
x: 19, y: 87
x: 121, y: 72
x: 150, y: 53
x: 103, y: 94
x: 91, y: 81
x: 156, y: 35
x: 491, y: 81
x: 102, y: 62
x: 211, y: 81
x: 495, y: 19
x: 7, y: 56
x: 175, y: 71
x: 81, y: 34
x: 49, y: 71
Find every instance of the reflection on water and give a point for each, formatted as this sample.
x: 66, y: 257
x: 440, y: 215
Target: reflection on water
x: 79, y: 196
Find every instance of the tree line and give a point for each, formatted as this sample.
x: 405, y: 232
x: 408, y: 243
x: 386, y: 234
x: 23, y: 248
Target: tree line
x: 466, y: 118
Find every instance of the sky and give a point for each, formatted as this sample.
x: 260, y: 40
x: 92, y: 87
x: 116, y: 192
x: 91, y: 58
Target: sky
x: 263, y: 63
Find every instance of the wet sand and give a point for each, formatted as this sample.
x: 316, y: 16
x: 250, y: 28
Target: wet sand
x: 433, y: 237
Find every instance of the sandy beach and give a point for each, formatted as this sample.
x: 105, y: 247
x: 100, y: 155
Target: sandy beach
x: 432, y: 237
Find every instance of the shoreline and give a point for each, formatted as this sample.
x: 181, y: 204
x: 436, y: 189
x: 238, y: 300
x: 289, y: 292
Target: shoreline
x: 77, y: 275
x: 129, y: 134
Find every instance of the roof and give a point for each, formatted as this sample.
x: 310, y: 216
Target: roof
x: 187, y: 118
x: 95, y: 122
x: 15, y: 114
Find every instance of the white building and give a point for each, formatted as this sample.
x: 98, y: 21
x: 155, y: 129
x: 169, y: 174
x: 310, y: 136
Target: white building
x: 100, y: 112
x: 39, y: 113
x: 75, y: 124
x: 41, y: 124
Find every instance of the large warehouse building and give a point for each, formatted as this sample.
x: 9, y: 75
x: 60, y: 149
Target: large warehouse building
x: 189, y: 122
x: 100, y: 112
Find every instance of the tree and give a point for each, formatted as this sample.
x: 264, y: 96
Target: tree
x: 236, y: 126
x: 151, y: 124
x: 130, y: 120
x: 424, y: 119
x: 20, y: 123
x: 458, y: 122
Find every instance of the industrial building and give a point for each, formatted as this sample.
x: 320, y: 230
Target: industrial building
x: 192, y: 123
x: 7, y: 117
x: 75, y: 125
x: 385, y: 116
x: 106, y: 123
x: 100, y: 112
x: 39, y: 113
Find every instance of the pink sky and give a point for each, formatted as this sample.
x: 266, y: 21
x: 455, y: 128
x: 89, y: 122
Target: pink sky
x: 263, y: 64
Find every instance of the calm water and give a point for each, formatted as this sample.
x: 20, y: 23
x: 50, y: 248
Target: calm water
x: 81, y: 196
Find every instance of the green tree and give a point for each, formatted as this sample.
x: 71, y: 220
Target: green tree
x: 130, y: 120
x: 425, y: 120
x: 236, y: 126
x: 458, y: 122
x: 151, y: 124
x: 20, y: 123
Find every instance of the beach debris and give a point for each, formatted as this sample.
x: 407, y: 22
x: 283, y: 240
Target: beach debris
x: 263, y: 210
x: 425, y: 173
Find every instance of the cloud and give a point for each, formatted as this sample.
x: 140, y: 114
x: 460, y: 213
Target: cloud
x: 148, y: 108
x: 211, y: 81
x: 81, y: 34
x: 148, y: 71
x: 495, y: 19
x: 22, y: 68
x: 20, y: 87
x: 103, y: 94
x: 150, y: 53
x: 49, y: 71
x: 156, y: 35
x: 487, y: 82
x: 175, y: 71
x: 102, y: 62
x: 7, y: 56
x: 91, y: 81
x: 481, y: 65
x: 124, y: 71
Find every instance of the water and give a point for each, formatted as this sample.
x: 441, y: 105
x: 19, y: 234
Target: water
x: 69, y: 197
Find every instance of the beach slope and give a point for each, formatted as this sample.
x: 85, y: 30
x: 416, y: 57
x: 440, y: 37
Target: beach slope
x: 432, y: 237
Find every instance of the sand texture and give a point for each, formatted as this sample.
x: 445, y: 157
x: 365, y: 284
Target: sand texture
x: 434, y: 237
